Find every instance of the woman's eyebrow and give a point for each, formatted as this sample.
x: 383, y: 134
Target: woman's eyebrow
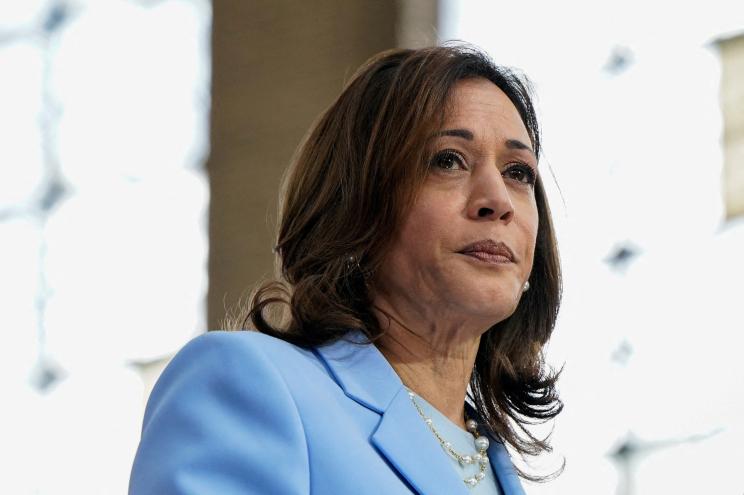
x: 461, y: 133
x: 516, y: 144
x: 512, y: 144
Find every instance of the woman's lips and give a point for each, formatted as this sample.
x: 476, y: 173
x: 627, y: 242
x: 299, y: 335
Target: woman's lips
x: 489, y: 251
x: 488, y: 257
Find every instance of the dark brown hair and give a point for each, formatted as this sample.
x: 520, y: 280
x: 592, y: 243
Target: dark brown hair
x: 359, y: 168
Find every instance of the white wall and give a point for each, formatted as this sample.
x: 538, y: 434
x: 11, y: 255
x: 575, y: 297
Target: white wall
x: 629, y: 99
x: 102, y: 226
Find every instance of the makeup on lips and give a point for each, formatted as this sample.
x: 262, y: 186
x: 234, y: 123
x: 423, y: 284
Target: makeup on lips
x: 489, y: 251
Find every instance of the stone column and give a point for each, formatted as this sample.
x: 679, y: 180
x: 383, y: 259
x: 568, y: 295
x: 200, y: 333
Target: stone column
x: 276, y: 65
x: 732, y: 102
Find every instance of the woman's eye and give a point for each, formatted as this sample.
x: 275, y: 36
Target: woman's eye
x: 521, y: 173
x: 448, y: 160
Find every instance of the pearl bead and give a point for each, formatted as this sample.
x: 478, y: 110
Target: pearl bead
x: 481, y: 443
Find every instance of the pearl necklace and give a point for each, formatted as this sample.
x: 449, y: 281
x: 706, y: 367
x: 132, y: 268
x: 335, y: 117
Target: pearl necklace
x: 481, y: 445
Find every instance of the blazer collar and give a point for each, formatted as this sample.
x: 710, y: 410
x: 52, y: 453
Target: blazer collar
x: 504, y: 469
x: 401, y: 436
x: 362, y: 371
x: 501, y: 461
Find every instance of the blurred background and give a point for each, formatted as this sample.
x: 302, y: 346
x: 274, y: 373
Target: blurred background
x: 142, y: 144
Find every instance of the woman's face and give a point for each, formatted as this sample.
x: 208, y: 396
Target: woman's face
x: 465, y: 248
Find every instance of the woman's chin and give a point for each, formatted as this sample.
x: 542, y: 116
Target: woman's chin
x: 491, y: 306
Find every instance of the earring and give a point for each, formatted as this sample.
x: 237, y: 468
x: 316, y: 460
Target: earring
x: 352, y: 263
x: 526, y: 286
x: 354, y: 267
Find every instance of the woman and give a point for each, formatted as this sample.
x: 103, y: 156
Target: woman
x: 400, y: 351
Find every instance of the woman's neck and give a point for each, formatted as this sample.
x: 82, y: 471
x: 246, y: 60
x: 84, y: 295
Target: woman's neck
x: 434, y: 361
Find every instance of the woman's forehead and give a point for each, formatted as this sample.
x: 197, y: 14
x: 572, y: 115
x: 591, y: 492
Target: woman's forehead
x: 483, y: 109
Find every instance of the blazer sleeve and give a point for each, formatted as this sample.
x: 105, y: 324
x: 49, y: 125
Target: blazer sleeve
x: 221, y: 419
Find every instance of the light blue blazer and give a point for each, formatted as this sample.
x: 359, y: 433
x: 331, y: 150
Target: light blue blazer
x: 245, y: 413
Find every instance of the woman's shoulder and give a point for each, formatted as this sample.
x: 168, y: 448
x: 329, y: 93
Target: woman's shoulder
x: 238, y: 353
x: 242, y: 340
x: 225, y: 396
x: 229, y: 367
x: 242, y: 344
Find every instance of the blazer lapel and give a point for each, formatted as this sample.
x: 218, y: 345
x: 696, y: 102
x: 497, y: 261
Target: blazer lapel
x: 401, y: 437
x: 361, y: 370
x: 501, y: 463
x: 405, y: 440
x: 504, y: 469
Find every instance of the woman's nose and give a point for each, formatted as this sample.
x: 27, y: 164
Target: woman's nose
x: 489, y: 198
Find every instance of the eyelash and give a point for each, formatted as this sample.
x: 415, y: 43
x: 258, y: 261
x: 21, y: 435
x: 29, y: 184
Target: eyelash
x: 529, y: 173
x: 450, y: 157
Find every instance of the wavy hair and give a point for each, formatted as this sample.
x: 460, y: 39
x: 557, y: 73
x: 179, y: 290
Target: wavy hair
x: 356, y: 172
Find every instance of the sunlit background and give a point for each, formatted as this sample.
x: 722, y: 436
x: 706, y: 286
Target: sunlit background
x: 141, y: 145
